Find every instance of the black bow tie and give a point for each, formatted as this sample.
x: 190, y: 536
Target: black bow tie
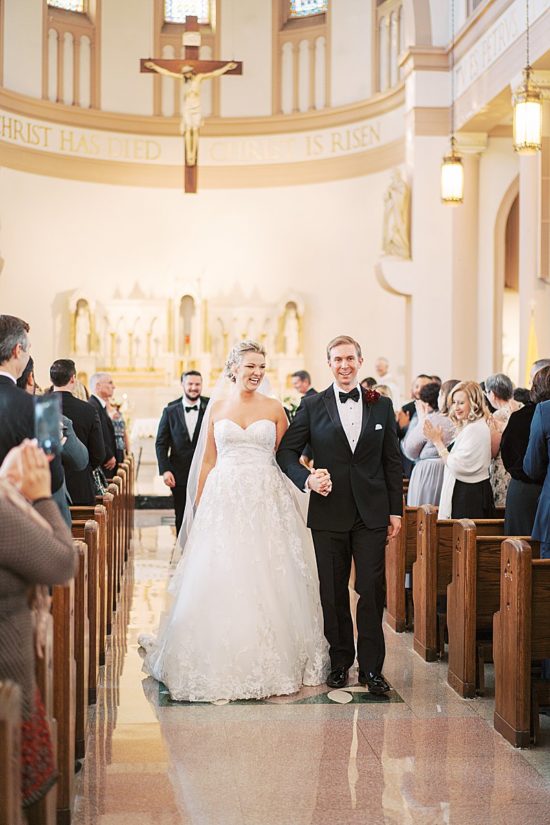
x: 354, y: 395
x: 188, y: 409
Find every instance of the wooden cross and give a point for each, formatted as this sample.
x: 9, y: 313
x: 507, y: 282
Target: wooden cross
x: 191, y: 71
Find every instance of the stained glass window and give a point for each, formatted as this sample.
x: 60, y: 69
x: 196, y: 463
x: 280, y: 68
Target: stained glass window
x: 69, y: 5
x: 305, y: 8
x: 175, y: 11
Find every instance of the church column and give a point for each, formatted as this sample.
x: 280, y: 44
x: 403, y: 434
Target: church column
x: 534, y: 283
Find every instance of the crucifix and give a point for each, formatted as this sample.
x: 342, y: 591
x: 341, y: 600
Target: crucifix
x: 191, y: 71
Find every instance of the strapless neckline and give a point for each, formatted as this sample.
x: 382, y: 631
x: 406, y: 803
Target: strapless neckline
x: 244, y: 429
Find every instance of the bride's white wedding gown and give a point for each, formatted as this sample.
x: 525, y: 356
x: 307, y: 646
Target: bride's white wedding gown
x: 246, y: 619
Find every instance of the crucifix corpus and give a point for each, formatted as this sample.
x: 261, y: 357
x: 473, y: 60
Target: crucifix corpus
x: 191, y: 71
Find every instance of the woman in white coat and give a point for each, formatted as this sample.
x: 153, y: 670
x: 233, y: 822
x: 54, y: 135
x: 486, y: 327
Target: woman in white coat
x: 466, y: 491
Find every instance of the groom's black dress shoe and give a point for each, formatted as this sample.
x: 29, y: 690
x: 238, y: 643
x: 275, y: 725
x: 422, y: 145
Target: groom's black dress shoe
x: 375, y: 683
x: 338, y: 678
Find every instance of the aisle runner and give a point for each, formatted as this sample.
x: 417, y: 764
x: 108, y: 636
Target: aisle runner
x: 354, y: 695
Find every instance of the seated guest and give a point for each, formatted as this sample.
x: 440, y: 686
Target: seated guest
x: 406, y: 417
x: 383, y: 389
x: 121, y: 433
x: 523, y: 492
x: 427, y: 475
x: 500, y: 391
x: 36, y: 548
x: 85, y: 421
x: 466, y: 491
x: 102, y: 387
x: 26, y: 379
x: 368, y: 383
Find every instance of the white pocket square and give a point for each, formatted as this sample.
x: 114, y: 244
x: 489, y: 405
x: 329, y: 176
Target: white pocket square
x: 378, y: 427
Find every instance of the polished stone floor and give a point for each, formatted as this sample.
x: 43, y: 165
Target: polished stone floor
x: 430, y: 759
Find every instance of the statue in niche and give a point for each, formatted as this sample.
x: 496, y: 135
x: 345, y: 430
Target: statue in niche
x: 396, y: 237
x: 291, y: 330
x: 82, y: 328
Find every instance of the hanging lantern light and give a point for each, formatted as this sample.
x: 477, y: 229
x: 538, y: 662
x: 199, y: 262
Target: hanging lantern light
x: 452, y: 170
x: 527, y: 102
x: 452, y: 177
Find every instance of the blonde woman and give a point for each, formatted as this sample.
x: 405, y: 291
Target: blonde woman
x: 466, y: 491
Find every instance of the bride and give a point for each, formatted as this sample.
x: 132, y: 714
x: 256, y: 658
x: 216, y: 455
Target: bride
x: 246, y: 620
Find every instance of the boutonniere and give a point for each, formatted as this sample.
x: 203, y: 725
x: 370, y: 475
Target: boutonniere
x: 371, y: 396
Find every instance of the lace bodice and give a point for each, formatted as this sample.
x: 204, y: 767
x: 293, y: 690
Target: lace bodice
x: 252, y: 444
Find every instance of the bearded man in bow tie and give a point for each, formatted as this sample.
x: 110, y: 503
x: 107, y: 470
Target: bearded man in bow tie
x: 355, y: 506
x: 177, y: 437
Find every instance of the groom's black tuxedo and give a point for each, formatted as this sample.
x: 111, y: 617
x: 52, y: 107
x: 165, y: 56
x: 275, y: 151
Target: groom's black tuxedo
x: 351, y: 522
x: 369, y: 480
x: 175, y: 449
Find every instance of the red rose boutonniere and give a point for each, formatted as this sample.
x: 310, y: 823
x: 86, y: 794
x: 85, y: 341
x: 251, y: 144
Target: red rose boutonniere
x: 371, y: 396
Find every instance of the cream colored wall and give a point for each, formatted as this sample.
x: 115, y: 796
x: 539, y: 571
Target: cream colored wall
x: 126, y: 36
x: 23, y: 46
x: 245, y: 28
x: 351, y: 40
x: 321, y: 241
x: 497, y: 169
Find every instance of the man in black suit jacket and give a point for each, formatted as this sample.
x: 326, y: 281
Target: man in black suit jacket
x: 16, y: 405
x: 177, y: 437
x: 355, y: 505
x: 102, y: 388
x: 80, y: 483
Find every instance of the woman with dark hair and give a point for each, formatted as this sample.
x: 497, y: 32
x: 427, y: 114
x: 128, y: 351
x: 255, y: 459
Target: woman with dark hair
x: 500, y: 392
x: 466, y: 490
x: 427, y: 474
x: 523, y: 493
x: 26, y: 379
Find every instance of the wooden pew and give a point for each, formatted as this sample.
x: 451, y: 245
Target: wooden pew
x: 521, y: 635
x: 81, y: 649
x: 45, y: 811
x: 400, y: 555
x: 107, y: 501
x: 115, y: 538
x: 10, y: 754
x: 472, y: 600
x: 88, y: 532
x: 64, y: 674
x: 432, y: 572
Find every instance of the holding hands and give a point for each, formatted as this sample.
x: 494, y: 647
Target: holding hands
x: 320, y: 482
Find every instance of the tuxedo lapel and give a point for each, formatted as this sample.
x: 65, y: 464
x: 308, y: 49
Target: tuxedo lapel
x: 181, y: 418
x: 365, y: 420
x: 330, y: 403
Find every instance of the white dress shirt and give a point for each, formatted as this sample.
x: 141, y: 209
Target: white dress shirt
x: 192, y: 416
x: 351, y: 416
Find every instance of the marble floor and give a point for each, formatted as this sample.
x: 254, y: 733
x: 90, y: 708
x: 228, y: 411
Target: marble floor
x: 430, y: 759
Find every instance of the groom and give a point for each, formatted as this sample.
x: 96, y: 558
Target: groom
x: 355, y: 506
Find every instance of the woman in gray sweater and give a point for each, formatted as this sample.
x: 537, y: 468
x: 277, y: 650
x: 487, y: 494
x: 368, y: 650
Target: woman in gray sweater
x: 36, y: 548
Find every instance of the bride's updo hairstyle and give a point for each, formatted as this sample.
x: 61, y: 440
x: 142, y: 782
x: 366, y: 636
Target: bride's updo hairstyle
x: 236, y: 354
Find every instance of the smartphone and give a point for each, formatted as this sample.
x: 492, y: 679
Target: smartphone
x: 47, y: 423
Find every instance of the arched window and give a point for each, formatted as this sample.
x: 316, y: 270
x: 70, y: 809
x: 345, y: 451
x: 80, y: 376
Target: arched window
x: 69, y: 5
x: 175, y: 11
x: 305, y: 8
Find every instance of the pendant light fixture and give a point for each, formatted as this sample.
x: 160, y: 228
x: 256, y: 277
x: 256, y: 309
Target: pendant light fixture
x: 452, y: 170
x: 527, y: 101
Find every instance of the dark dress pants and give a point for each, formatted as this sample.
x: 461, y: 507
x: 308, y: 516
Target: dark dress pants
x: 179, y: 495
x: 334, y: 552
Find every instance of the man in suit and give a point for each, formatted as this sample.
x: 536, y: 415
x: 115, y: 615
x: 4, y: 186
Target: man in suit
x: 16, y: 405
x: 177, y: 437
x: 102, y: 388
x: 80, y: 483
x: 355, y: 505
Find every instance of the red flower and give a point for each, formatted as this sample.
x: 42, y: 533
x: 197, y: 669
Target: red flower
x: 371, y: 396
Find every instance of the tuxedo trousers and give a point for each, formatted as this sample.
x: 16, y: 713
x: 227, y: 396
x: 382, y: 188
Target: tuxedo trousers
x: 179, y: 494
x: 334, y: 552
